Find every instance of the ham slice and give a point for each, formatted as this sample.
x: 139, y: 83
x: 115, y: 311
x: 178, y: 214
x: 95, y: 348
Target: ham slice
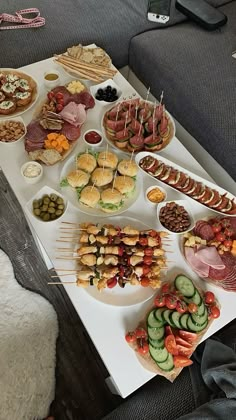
x: 74, y: 114
x: 198, y: 266
x: 209, y: 255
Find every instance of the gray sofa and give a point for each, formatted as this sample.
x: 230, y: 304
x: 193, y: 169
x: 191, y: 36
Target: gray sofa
x: 194, y: 67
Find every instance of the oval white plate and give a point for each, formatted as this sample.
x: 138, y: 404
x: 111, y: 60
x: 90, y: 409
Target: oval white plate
x: 22, y: 109
x: 71, y: 195
x: 209, y: 184
x: 129, y: 295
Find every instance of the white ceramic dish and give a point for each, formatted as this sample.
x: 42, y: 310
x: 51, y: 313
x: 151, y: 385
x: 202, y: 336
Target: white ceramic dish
x: 153, y: 187
x: 94, y: 89
x: 29, y: 166
x: 22, y: 109
x: 197, y: 178
x: 43, y: 191
x: 71, y: 195
x: 51, y: 83
x: 129, y: 295
x: 11, y: 143
x: 187, y: 207
x: 94, y: 144
x: 110, y: 140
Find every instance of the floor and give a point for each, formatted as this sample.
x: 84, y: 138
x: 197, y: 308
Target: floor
x: 81, y: 392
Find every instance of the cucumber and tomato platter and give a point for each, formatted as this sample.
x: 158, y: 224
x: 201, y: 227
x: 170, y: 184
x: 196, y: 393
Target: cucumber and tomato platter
x: 174, y: 327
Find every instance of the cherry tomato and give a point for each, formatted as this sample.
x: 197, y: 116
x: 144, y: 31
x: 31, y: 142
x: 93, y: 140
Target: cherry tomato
x: 220, y: 237
x: 171, y: 301
x: 120, y: 252
x: 146, y: 270
x: 143, y: 347
x: 147, y: 260
x: 229, y: 232
x: 225, y: 223
x: 216, y: 227
x: 60, y: 101
x: 145, y: 281
x: 168, y: 330
x: 50, y: 95
x: 182, y: 361
x: 59, y: 107
x: 112, y: 282
x: 184, y: 351
x: 183, y: 342
x: 170, y: 344
x: 214, y: 312
x: 209, y: 298
x: 148, y: 252
x: 192, y: 308
x: 130, y: 337
x: 181, y: 307
x: 165, y: 288
x: 228, y: 243
x: 153, y: 233
x: 140, y: 333
x: 143, y: 241
x: 188, y: 336
x: 160, y: 301
x: 59, y: 95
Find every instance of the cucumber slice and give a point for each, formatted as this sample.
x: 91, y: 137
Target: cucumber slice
x: 168, y: 365
x: 166, y: 317
x: 175, y: 319
x: 156, y: 333
x: 201, y: 309
x: 158, y: 314
x: 159, y: 355
x: 196, y: 327
x: 152, y: 321
x: 196, y: 298
x: 157, y: 344
x: 185, y: 285
x: 184, y: 321
x: 200, y: 319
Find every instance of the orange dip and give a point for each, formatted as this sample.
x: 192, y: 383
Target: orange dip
x: 155, y: 195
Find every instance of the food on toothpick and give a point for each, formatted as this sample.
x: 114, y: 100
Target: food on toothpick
x: 124, y: 184
x: 90, y: 196
x: 87, y: 162
x: 102, y: 176
x: 107, y: 159
x: 111, y: 200
x: 127, y: 167
x: 78, y: 178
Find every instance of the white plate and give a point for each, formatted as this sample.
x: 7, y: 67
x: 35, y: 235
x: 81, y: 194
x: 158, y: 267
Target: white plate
x: 129, y: 295
x: 209, y: 184
x: 22, y: 109
x: 125, y: 150
x: 70, y: 193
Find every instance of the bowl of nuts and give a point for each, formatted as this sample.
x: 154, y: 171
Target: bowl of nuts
x: 175, y: 216
x: 12, y: 130
x: 47, y: 205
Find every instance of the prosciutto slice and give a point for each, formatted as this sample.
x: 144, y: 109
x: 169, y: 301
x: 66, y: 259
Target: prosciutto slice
x: 74, y: 114
x: 198, y: 266
x: 209, y: 255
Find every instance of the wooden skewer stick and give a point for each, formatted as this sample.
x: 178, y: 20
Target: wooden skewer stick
x: 60, y: 282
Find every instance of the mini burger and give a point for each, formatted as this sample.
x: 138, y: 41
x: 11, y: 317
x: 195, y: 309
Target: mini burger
x: 101, y: 176
x: 89, y: 196
x: 86, y: 162
x: 111, y: 200
x: 128, y: 167
x: 78, y: 178
x: 107, y: 159
x: 125, y: 185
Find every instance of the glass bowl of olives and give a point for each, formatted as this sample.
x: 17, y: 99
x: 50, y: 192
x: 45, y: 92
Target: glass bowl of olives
x: 106, y: 93
x: 47, y: 205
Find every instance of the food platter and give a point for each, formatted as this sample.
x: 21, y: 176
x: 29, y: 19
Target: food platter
x: 133, y: 126
x: 28, y: 80
x: 72, y: 196
x: 216, y: 194
x: 129, y: 295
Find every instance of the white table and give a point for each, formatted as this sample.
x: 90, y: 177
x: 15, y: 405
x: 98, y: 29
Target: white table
x: 107, y: 324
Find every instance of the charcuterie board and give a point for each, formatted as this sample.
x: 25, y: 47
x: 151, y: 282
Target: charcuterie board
x: 204, y: 192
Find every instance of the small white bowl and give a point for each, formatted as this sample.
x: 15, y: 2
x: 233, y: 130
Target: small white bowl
x: 94, y: 89
x: 155, y: 187
x: 45, y: 191
x: 32, y: 172
x: 14, y: 119
x: 187, y: 207
x: 51, y: 79
x: 93, y: 144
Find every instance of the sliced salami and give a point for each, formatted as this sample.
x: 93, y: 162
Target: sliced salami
x: 206, y: 232
x: 71, y: 132
x: 219, y: 275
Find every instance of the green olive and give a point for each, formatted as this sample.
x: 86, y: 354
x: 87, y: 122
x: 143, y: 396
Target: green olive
x: 60, y: 200
x: 42, y: 214
x: 53, y: 216
x: 45, y: 207
x: 59, y: 212
x: 37, y: 212
x: 51, y: 210
x: 35, y: 204
x: 52, y: 204
x: 46, y: 217
x: 60, y: 206
x: 40, y: 202
x: 46, y: 200
x: 53, y: 197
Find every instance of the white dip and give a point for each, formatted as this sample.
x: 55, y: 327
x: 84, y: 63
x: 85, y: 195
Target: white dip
x: 31, y: 171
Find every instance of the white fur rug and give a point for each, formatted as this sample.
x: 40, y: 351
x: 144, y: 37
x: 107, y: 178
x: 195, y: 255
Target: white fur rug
x: 28, y: 333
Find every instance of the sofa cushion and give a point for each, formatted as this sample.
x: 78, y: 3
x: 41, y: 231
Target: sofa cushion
x: 196, y: 70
